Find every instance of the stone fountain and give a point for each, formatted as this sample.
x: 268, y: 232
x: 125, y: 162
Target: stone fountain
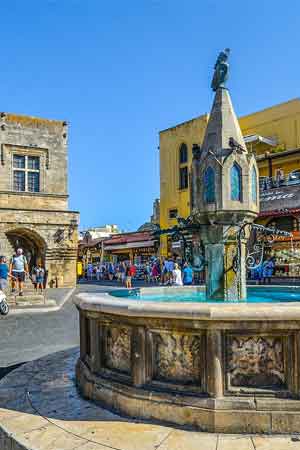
x: 215, y: 365
x: 224, y: 193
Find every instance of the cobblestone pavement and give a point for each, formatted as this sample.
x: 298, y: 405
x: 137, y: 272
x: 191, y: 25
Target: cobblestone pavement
x: 29, y: 335
x: 41, y: 409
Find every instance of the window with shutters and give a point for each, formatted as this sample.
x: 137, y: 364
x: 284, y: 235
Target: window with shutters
x: 183, y: 167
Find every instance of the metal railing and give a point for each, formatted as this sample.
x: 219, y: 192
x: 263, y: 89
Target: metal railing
x: 266, y: 183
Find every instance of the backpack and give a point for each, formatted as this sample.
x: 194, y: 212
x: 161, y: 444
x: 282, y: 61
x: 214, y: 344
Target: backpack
x: 15, y: 256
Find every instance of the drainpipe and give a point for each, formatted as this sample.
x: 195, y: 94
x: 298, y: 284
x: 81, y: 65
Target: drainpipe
x: 102, y: 251
x: 268, y: 156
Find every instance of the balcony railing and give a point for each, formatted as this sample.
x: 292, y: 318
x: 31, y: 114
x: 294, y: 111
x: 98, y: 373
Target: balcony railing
x: 266, y: 183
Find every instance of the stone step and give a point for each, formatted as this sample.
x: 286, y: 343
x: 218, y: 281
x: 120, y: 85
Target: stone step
x: 34, y: 305
x: 26, y: 293
x: 36, y: 298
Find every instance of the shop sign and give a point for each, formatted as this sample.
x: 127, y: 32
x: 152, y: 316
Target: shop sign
x: 287, y: 197
x: 296, y: 237
x: 144, y: 251
x: 176, y: 244
x: 279, y: 195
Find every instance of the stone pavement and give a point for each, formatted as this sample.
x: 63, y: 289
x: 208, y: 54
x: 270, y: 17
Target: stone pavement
x: 40, y: 409
x: 32, y: 333
x: 52, y: 300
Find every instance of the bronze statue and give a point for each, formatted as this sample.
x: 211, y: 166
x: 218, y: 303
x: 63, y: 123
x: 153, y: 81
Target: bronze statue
x: 221, y: 70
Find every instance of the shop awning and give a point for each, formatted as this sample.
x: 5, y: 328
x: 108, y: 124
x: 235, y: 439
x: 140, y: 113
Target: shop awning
x: 128, y: 237
x: 257, y: 139
x: 280, y: 201
x: 130, y: 245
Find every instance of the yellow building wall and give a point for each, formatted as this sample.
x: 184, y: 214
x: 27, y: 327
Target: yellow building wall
x: 281, y: 122
x: 287, y: 163
x: 171, y: 197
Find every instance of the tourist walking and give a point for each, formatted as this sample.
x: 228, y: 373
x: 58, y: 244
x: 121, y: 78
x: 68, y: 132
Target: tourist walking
x: 155, y: 272
x: 98, y: 272
x: 111, y: 271
x: 18, y: 268
x: 128, y: 277
x: 32, y: 276
x: 188, y: 274
x: 39, y: 273
x: 79, y: 270
x: 4, y: 308
x: 148, y: 272
x: 169, y: 269
x: 163, y: 271
x: 176, y: 275
x: 122, y: 269
x: 103, y: 271
x: 268, y: 270
x: 90, y: 270
x: 3, y: 273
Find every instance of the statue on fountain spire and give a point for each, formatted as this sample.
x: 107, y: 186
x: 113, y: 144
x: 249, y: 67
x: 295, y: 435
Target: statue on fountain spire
x: 221, y: 70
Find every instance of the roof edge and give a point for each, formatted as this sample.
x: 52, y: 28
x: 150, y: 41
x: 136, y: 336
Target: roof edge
x: 202, y: 116
x: 239, y: 117
x: 14, y: 117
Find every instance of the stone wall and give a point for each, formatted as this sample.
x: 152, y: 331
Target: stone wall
x: 42, y: 218
x: 36, y: 137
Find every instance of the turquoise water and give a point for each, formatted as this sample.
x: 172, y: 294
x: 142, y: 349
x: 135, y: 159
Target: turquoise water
x: 255, y: 295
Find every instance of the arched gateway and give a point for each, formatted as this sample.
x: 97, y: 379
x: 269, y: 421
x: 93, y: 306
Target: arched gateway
x: 33, y: 245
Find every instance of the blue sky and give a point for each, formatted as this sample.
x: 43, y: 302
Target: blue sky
x: 120, y: 71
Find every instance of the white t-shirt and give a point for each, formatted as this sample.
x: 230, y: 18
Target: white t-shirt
x: 177, y: 278
x: 18, y: 263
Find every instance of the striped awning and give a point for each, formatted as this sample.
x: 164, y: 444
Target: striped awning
x: 129, y: 245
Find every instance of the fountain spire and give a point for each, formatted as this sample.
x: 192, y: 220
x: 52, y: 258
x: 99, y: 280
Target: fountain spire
x: 224, y: 192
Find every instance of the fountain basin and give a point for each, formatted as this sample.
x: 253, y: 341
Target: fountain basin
x: 229, y: 367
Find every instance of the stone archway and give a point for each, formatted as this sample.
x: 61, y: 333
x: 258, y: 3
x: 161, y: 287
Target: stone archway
x: 32, y: 243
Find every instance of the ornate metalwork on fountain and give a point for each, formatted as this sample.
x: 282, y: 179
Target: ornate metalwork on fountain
x: 118, y: 349
x: 258, y: 237
x: 256, y: 361
x: 177, y: 358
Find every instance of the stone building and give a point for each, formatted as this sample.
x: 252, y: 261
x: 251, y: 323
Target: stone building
x: 34, y: 211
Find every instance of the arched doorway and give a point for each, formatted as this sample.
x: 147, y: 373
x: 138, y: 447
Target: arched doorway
x: 33, y: 245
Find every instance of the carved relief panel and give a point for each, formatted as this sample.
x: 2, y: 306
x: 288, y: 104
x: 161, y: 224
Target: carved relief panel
x: 118, y: 349
x: 178, y: 358
x: 256, y: 362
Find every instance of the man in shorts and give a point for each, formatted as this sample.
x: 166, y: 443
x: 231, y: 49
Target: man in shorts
x: 169, y: 268
x: 17, y: 269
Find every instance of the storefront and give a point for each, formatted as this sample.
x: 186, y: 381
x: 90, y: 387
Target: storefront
x: 280, y: 208
x: 138, y: 247
x: 90, y: 251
